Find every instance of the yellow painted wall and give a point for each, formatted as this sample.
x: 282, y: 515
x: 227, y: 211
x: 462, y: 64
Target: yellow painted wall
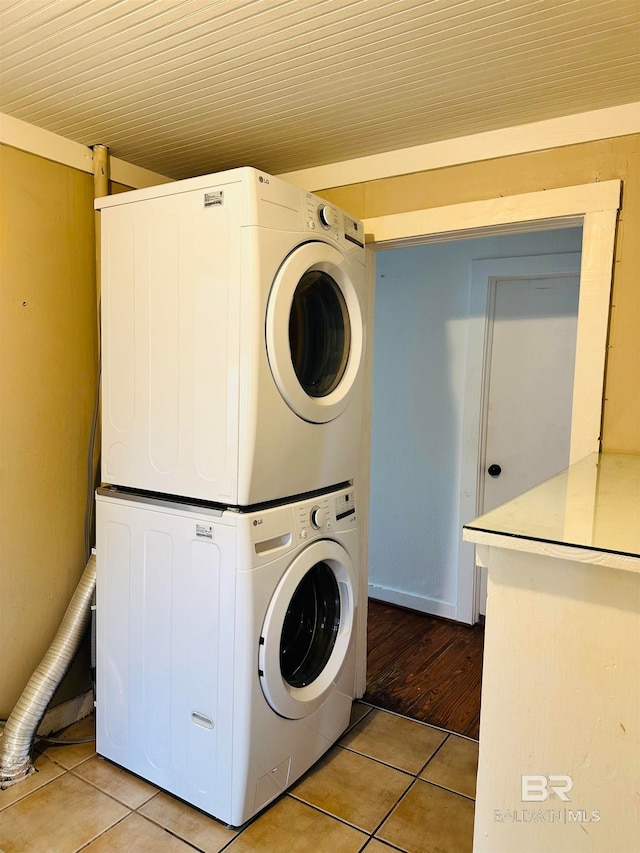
x: 559, y: 167
x: 47, y: 386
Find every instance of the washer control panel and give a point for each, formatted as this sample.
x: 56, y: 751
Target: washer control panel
x: 336, y: 511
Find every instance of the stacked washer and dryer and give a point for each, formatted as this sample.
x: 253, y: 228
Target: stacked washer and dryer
x: 231, y: 607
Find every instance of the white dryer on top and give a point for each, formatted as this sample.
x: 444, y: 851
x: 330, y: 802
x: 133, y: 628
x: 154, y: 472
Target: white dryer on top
x: 233, y: 339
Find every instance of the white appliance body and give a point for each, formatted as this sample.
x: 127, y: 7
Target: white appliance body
x: 233, y: 339
x: 226, y: 643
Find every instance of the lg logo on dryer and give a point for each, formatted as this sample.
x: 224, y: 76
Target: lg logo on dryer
x: 257, y: 521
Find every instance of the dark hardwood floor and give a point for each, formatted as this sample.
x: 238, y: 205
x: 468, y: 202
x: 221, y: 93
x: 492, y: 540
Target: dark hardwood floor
x: 423, y: 667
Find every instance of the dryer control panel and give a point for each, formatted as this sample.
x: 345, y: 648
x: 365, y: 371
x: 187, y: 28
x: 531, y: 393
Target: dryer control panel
x: 325, y: 513
x: 326, y: 218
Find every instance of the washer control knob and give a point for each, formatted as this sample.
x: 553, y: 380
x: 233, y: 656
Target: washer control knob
x: 324, y: 215
x: 317, y: 517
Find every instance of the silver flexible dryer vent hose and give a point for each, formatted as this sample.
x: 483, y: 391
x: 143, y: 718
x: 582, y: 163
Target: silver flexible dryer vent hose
x: 21, y: 727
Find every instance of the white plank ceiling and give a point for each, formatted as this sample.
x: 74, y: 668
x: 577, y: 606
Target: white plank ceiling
x: 185, y: 87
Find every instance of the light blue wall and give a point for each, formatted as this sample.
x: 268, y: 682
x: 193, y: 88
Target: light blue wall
x: 420, y: 335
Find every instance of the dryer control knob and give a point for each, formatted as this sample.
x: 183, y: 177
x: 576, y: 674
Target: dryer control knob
x: 324, y: 215
x: 317, y: 517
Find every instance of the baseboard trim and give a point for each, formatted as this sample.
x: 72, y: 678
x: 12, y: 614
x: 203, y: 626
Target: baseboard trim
x: 421, y: 603
x: 66, y: 714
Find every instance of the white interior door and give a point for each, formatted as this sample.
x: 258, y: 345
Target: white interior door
x: 529, y: 374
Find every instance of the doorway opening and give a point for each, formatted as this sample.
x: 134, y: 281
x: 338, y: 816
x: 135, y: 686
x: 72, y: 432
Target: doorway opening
x: 595, y: 206
x: 434, y: 309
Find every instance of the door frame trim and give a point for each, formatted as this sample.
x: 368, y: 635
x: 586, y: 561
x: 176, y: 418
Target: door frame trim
x: 595, y: 206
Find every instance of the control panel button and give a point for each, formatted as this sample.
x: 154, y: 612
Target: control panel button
x: 317, y: 517
x: 324, y: 215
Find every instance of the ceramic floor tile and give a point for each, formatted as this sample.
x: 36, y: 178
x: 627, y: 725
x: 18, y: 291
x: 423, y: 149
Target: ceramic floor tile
x: 405, y: 744
x: 375, y: 846
x: 187, y: 823
x: 290, y: 826
x: 430, y: 819
x: 353, y: 788
x: 62, y: 817
x: 74, y: 754
x: 113, y: 780
x: 136, y: 834
x: 46, y: 770
x: 455, y: 766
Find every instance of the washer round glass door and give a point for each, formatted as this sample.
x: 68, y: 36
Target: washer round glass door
x: 307, y: 630
x: 314, y: 332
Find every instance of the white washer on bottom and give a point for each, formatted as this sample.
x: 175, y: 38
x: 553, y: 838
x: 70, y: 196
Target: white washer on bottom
x: 226, y: 643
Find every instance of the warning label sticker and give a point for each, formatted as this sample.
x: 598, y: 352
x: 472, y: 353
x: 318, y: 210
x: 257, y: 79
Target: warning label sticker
x: 204, y: 531
x: 214, y: 199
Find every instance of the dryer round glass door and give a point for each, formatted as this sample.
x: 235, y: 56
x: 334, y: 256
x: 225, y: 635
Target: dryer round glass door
x: 308, y: 630
x: 314, y: 332
x: 319, y: 333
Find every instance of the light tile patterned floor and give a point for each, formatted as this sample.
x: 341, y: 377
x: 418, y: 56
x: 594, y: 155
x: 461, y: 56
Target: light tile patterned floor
x: 389, y: 784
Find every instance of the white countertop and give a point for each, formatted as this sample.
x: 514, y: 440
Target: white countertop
x: 589, y: 512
